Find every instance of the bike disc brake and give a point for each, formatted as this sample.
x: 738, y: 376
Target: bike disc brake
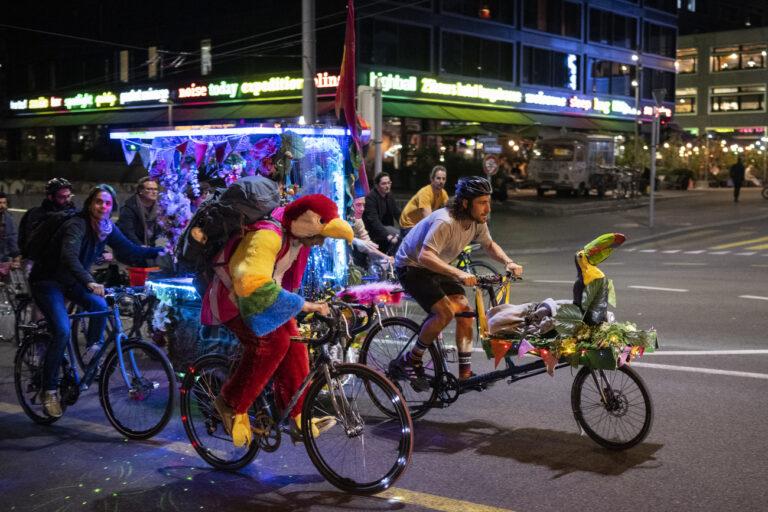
x: 448, y: 385
x: 266, y: 431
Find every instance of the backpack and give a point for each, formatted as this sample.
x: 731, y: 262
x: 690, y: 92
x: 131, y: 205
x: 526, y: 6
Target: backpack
x: 220, y: 218
x: 37, y: 245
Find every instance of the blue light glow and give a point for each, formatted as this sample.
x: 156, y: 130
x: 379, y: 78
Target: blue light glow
x: 174, y: 288
x: 231, y: 131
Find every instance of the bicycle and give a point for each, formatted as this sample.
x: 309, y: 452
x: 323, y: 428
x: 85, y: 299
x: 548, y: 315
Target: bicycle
x: 613, y: 407
x: 764, y: 192
x: 365, y: 452
x: 136, y: 380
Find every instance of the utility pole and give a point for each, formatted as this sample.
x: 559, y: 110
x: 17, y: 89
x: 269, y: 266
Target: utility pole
x: 377, y: 121
x: 308, y: 66
x: 658, y: 98
x: 636, y: 83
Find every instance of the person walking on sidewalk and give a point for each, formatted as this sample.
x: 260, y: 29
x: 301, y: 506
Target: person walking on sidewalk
x: 426, y: 200
x: 737, y: 176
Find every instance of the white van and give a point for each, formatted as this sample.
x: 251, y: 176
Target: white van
x: 567, y: 162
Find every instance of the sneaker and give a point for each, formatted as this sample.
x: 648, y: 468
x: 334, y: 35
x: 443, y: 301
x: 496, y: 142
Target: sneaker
x: 403, y: 368
x: 51, y: 404
x: 226, y: 413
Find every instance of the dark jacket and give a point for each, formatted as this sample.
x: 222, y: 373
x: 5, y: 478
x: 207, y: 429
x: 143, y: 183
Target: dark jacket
x: 737, y: 172
x: 9, y: 248
x: 131, y: 223
x: 78, y: 247
x: 33, y: 218
x: 379, y: 212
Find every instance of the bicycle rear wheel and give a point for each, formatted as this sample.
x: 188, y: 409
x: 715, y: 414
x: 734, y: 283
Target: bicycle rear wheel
x: 620, y: 416
x: 202, y: 423
x: 28, y: 379
x: 141, y: 408
x: 391, y: 339
x: 366, y: 450
x: 24, y: 315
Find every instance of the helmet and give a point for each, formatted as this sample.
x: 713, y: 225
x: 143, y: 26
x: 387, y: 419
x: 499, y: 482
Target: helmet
x: 56, y: 184
x: 472, y: 187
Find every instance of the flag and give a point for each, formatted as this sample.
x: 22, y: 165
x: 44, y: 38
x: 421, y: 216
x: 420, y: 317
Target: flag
x: 345, y: 91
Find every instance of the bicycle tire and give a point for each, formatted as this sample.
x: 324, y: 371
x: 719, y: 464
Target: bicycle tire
x: 626, y: 420
x: 202, y: 383
x: 143, y: 409
x: 765, y: 192
x: 23, y: 315
x: 28, y: 379
x: 365, y: 451
x: 390, y: 339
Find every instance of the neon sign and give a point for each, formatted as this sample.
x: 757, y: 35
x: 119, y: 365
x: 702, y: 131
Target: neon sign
x: 545, y: 99
x: 136, y: 95
x: 19, y: 105
x: 223, y: 89
x: 40, y: 102
x: 285, y: 83
x: 193, y: 91
x: 392, y: 82
x: 601, y: 105
x: 79, y: 101
x: 582, y: 103
x: 106, y: 98
x: 325, y: 80
x: 573, y: 71
x: 663, y: 111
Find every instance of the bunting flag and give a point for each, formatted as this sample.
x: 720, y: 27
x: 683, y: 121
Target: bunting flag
x: 525, y: 347
x: 129, y: 150
x: 550, y: 360
x: 148, y: 155
x: 220, y: 148
x: 500, y: 349
x: 624, y: 354
x: 182, y: 148
x: 201, y: 148
x: 345, y: 91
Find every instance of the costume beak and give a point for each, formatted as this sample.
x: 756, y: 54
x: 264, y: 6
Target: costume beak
x: 338, y: 228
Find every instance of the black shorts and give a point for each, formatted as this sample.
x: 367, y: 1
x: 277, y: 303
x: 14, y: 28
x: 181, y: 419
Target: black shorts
x: 427, y: 287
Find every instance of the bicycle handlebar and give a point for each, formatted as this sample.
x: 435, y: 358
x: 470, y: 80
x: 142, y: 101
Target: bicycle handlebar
x: 491, y: 279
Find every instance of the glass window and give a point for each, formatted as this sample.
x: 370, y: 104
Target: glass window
x: 383, y: 43
x: 738, y: 99
x: 659, y: 40
x: 609, y: 28
x: 730, y: 58
x: 554, y: 16
x: 686, y: 61
x: 550, y: 68
x: 685, y: 105
x: 609, y: 77
x: 501, y: 11
x: 658, y: 79
x: 663, y: 5
x: 472, y: 56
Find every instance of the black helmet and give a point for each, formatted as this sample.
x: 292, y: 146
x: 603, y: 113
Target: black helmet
x: 472, y: 187
x: 56, y: 184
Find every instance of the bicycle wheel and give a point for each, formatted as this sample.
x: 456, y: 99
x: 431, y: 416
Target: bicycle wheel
x: 28, y: 379
x: 367, y: 450
x: 765, y: 192
x: 622, y: 417
x: 391, y: 339
x: 141, y: 408
x: 24, y: 314
x: 202, y: 423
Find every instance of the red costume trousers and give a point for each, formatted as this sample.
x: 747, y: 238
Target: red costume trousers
x: 265, y: 357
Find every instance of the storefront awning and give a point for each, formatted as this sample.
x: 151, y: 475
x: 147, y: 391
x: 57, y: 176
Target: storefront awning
x: 446, y: 112
x: 614, y: 125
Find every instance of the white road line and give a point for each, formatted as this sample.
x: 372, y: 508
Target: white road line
x: 647, y: 250
x: 694, y: 252
x: 551, y: 281
x: 744, y: 253
x: 707, y: 352
x: 719, y: 252
x: 684, y: 264
x: 638, y: 287
x: 755, y: 297
x: 670, y: 251
x: 711, y: 371
x: 630, y: 249
x: 758, y: 265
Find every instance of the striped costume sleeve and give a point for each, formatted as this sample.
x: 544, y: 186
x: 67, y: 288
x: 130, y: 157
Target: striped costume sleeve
x: 263, y: 304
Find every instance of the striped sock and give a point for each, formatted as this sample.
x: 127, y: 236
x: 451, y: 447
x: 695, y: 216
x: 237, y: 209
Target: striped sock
x: 417, y: 351
x: 465, y: 365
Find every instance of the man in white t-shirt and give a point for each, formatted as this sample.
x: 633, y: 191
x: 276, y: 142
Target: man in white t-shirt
x: 423, y: 265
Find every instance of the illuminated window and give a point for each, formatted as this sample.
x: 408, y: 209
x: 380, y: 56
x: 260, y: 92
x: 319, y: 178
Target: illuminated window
x: 687, y: 61
x: 608, y: 77
x: 502, y: 11
x: 550, y: 68
x: 685, y: 100
x: 730, y: 58
x: 748, y: 98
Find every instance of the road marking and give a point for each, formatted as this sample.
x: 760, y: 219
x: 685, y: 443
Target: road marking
x: 744, y: 253
x: 743, y: 242
x: 759, y: 247
x: 551, y: 281
x: 647, y: 250
x: 708, y: 352
x: 638, y: 287
x: 684, y: 263
x: 694, y: 252
x: 756, y: 297
x: 711, y: 371
x: 670, y: 251
x: 630, y: 249
x: 720, y: 252
x: 435, y: 502
x: 758, y: 265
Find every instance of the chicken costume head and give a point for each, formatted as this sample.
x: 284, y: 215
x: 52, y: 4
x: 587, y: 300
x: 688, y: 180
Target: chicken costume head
x: 594, y: 252
x: 314, y: 215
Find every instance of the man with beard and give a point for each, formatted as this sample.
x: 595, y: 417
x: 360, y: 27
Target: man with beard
x: 58, y: 198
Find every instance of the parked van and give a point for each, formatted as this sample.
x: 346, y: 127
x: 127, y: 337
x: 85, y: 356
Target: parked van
x: 567, y: 163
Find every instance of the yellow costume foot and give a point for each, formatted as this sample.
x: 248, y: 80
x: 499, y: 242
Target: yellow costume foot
x: 319, y: 425
x: 241, y: 431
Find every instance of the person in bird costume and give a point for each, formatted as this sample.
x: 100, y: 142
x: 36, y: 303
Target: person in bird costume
x: 594, y: 253
x: 253, y: 294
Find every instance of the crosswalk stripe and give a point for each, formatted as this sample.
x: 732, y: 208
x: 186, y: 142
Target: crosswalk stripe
x: 743, y: 242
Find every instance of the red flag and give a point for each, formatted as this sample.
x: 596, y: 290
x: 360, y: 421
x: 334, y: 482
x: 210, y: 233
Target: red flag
x: 345, y: 91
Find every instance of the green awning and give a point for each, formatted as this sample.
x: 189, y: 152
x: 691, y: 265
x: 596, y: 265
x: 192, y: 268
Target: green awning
x: 447, y: 112
x: 614, y: 125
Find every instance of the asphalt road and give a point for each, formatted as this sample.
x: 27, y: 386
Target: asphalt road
x: 699, y: 277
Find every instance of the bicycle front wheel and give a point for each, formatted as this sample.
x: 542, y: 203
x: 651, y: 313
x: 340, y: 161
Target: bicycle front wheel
x: 389, y: 340
x: 202, y: 423
x: 141, y: 407
x: 366, y: 450
x: 28, y: 379
x: 612, y: 406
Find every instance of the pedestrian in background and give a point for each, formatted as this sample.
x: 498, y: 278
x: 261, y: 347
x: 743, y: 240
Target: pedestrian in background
x: 737, y: 176
x: 426, y: 200
x: 9, y: 247
x: 381, y: 213
x: 58, y: 198
x: 138, y: 218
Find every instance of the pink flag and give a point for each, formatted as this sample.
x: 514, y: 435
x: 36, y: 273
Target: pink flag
x: 525, y: 347
x: 624, y: 354
x: 201, y: 148
x: 221, y: 151
x: 182, y: 147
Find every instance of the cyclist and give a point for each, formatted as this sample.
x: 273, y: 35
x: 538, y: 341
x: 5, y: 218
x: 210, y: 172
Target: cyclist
x: 423, y: 267
x: 58, y: 198
x: 65, y: 274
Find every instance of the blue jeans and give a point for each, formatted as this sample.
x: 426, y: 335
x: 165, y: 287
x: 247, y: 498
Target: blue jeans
x: 49, y: 296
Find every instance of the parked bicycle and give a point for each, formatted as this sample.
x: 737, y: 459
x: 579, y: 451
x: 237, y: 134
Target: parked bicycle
x: 136, y: 380
x: 366, y: 450
x: 613, y: 407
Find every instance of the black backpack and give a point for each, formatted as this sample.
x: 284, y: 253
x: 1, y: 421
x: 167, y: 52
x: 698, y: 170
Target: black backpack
x: 222, y: 217
x: 37, y: 246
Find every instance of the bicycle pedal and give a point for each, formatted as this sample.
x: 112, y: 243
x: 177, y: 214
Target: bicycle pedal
x: 451, y: 354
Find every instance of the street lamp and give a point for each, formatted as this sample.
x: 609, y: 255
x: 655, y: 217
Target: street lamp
x: 636, y: 85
